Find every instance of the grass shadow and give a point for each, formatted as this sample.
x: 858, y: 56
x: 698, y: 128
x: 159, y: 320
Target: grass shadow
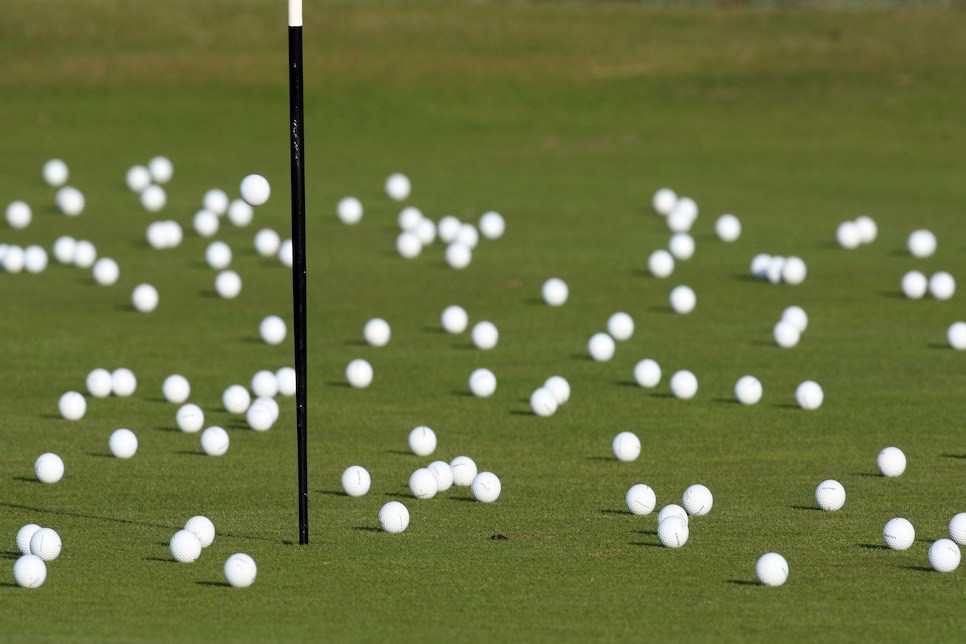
x: 732, y: 401
x: 533, y: 301
x: 7, y: 584
x: 27, y: 479
x: 165, y: 560
x: 661, y: 309
x: 744, y: 277
x: 338, y: 383
x: 806, y: 507
x: 785, y: 406
x: 867, y: 474
x: 919, y: 568
x: 896, y: 295
x: 332, y: 492
x: 208, y: 293
x: 217, y: 584
x: 962, y: 456
x: 648, y: 544
x: 356, y: 343
x: 435, y: 330
x: 742, y: 582
x: 520, y: 412
x: 872, y: 546
x: 10, y: 554
x: 464, y: 394
x: 627, y: 383
x: 101, y: 454
x: 367, y: 528
x: 660, y: 394
x: 606, y: 511
x: 581, y: 356
x: 463, y: 499
x: 398, y: 451
x: 938, y: 345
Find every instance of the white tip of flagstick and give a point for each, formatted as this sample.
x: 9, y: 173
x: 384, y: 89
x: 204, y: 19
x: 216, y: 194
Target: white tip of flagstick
x: 294, y: 13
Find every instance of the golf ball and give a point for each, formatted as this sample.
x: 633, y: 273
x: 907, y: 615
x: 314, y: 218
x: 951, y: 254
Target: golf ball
x: 458, y: 255
x: 468, y: 236
x: 287, y: 381
x: 70, y: 201
x: 30, y: 571
x: 216, y: 201
x: 727, y: 228
x: 99, y: 383
x: 899, y: 534
x: 409, y: 246
x: 956, y: 335
x: 448, y: 228
x: 464, y: 470
x: 748, y: 390
x: 85, y: 254
x: 486, y: 487
x: 144, y: 298
x: 46, y: 544
x: 830, y: 495
x: 683, y: 299
x: 809, y: 395
x: 272, y: 329
x: 796, y: 316
x: 848, y: 235
x: 34, y: 259
x: 921, y: 243
x: 697, y: 500
x: 868, y: 230
x: 620, y: 326
x: 261, y: 415
x: 673, y: 532
x: 492, y: 225
x: 137, y: 178
x: 13, y: 259
x: 161, y: 169
x: 240, y: 570
x: 426, y: 231
x: 398, y: 186
x: 482, y: 383
x: 23, y: 537
x: 64, y: 247
x: 55, y: 173
x: 264, y: 384
x: 190, y: 418
x: 356, y: 480
x: 914, y: 285
x: 358, y: 373
x: 684, y: 384
x: 559, y: 387
x: 786, y: 334
x: 203, y: 528
x: 255, y: 189
x: 123, y: 443
x: 236, y: 399
x: 153, y: 198
x: 454, y: 319
x: 228, y: 284
x: 555, y: 291
x: 286, y: 253
x: 422, y: 441
x: 218, y: 255
x: 106, y: 271
x: 214, y: 441
x: 543, y: 402
x: 794, y: 270
x: 176, y: 388
x: 680, y: 219
x: 601, y: 347
x: 377, y: 332
x: 759, y: 266
x: 485, y: 335
x: 944, y: 555
x: 123, y: 382
x: 681, y: 246
x: 774, y: 271
x: 267, y: 242
x: 640, y: 499
x: 409, y: 217
x: 942, y: 285
x: 647, y: 373
x: 672, y: 509
x: 349, y: 210
x: 891, y: 462
x: 660, y: 263
x: 49, y: 468
x: 394, y: 517
x: 771, y: 569
x: 663, y: 201
x: 957, y: 529
x: 240, y: 213
x: 72, y: 405
x: 626, y: 447
x: 423, y: 484
x: 444, y: 474
x: 19, y: 214
x: 185, y: 546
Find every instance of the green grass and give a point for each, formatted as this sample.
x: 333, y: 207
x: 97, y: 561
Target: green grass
x: 565, y: 118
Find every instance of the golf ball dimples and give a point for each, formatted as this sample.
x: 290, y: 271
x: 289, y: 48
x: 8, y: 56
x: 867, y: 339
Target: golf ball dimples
x: 55, y: 173
x: 190, y: 418
x: 485, y: 335
x: 422, y: 441
x: 684, y: 384
x: 683, y: 299
x: 99, y: 383
x: 543, y: 402
x: 626, y: 447
x: 848, y: 235
x: 70, y: 201
x: 647, y: 373
x: 899, y: 534
x: 49, y: 468
x: 727, y: 228
x: 663, y: 201
x: 260, y: 416
x: 891, y: 462
x: 123, y: 382
x: 559, y: 387
x: 555, y: 291
x: 458, y: 255
x: 23, y: 537
x: 19, y: 214
x: 830, y: 495
x: 956, y: 335
x: 796, y: 316
x: 185, y: 546
x: 394, y: 517
x: 868, y: 230
x: 203, y: 528
x: 240, y: 213
x: 492, y: 225
x: 444, y: 474
x: 921, y: 243
x: 398, y: 186
x: 272, y: 329
x: 123, y: 443
x: 214, y: 441
x: 106, y: 271
x: 236, y: 399
x: 809, y: 395
x: 794, y: 270
x: 672, y: 509
x: 255, y: 189
x: 957, y: 528
x: 349, y: 210
x: 454, y: 319
x: 771, y: 569
x: 409, y: 246
x: 486, y: 487
x: 240, y: 570
x: 482, y: 383
x: 620, y: 326
x: 423, y: 484
x: 748, y: 390
x: 176, y: 388
x: 356, y: 480
x: 358, y: 373
x: 697, y: 500
x: 72, y: 405
x: 673, y: 532
x: 218, y: 255
x: 944, y: 555
x: 464, y: 470
x: 153, y: 198
x: 144, y: 298
x: 46, y: 544
x: 601, y: 347
x: 786, y: 334
x: 942, y: 285
x: 30, y: 571
x: 267, y: 242
x: 377, y: 332
x: 660, y: 263
x: 640, y: 499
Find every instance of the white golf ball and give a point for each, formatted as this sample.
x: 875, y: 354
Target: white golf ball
x: 287, y: 381
x: 942, y: 285
x: 774, y: 271
x: 216, y: 200
x: 786, y: 334
x: 444, y: 474
x: 356, y: 481
x: 468, y: 236
x: 673, y: 532
x: 144, y: 298
x: 270, y: 404
x: 868, y: 230
x: 620, y: 326
x: 203, y: 528
x: 123, y: 443
x: 358, y: 373
x: 30, y: 571
x: 543, y: 402
x: 957, y: 529
x: 697, y: 500
x: 458, y: 255
x: 681, y: 218
x: 72, y: 405
x: 46, y: 544
x: 454, y: 319
x: 261, y: 415
x: 555, y: 291
x: 485, y: 335
x: 409, y: 217
x: 683, y: 299
x: 559, y: 387
x: 70, y: 201
x: 49, y: 468
x: 214, y: 441
x: 640, y: 499
x: 899, y: 534
x: 161, y: 169
x: 830, y: 495
x: 626, y: 446
x: 464, y: 470
x: 185, y: 546
x: 153, y: 198
x: 423, y: 484
x: 492, y: 225
x: 99, y: 383
x: 681, y: 246
x: 34, y: 259
x: 647, y: 373
x: 240, y: 213
x: 771, y: 569
x: 85, y: 254
x: 727, y: 228
x: 264, y: 383
x: 398, y: 186
x: 448, y: 228
x: 23, y: 537
x: 409, y: 245
x: 64, y: 247
x: 176, y: 388
x: 123, y: 382
x: 377, y: 332
x: 794, y: 270
x: 944, y: 555
x: 672, y: 510
x: 255, y: 189
x: 921, y: 243
x: 891, y: 462
x: 190, y: 418
x: 272, y: 329
x: 848, y: 235
x: 914, y: 285
x: 684, y: 384
x: 759, y: 266
x: 748, y: 390
x: 422, y: 441
x: 267, y: 242
x: 286, y: 254
x: 660, y: 263
x: 796, y: 316
x: 956, y: 335
x: 394, y: 517
x: 106, y: 271
x: 486, y: 487
x: 482, y: 383
x: 228, y: 284
x: 601, y: 347
x: 809, y: 395
x: 663, y: 201
x: 236, y: 399
x: 240, y: 570
x: 426, y: 231
x: 55, y: 173
x: 19, y: 214
x: 349, y: 210
x: 218, y: 255
x: 137, y: 178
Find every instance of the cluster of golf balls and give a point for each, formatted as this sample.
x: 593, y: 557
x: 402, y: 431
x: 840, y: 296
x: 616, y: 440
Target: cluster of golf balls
x: 778, y: 268
x: 37, y: 546
x: 673, y: 521
x: 198, y: 533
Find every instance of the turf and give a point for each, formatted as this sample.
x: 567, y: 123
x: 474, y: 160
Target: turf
x: 565, y: 118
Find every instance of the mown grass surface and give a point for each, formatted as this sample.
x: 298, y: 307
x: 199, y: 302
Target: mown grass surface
x: 565, y: 118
